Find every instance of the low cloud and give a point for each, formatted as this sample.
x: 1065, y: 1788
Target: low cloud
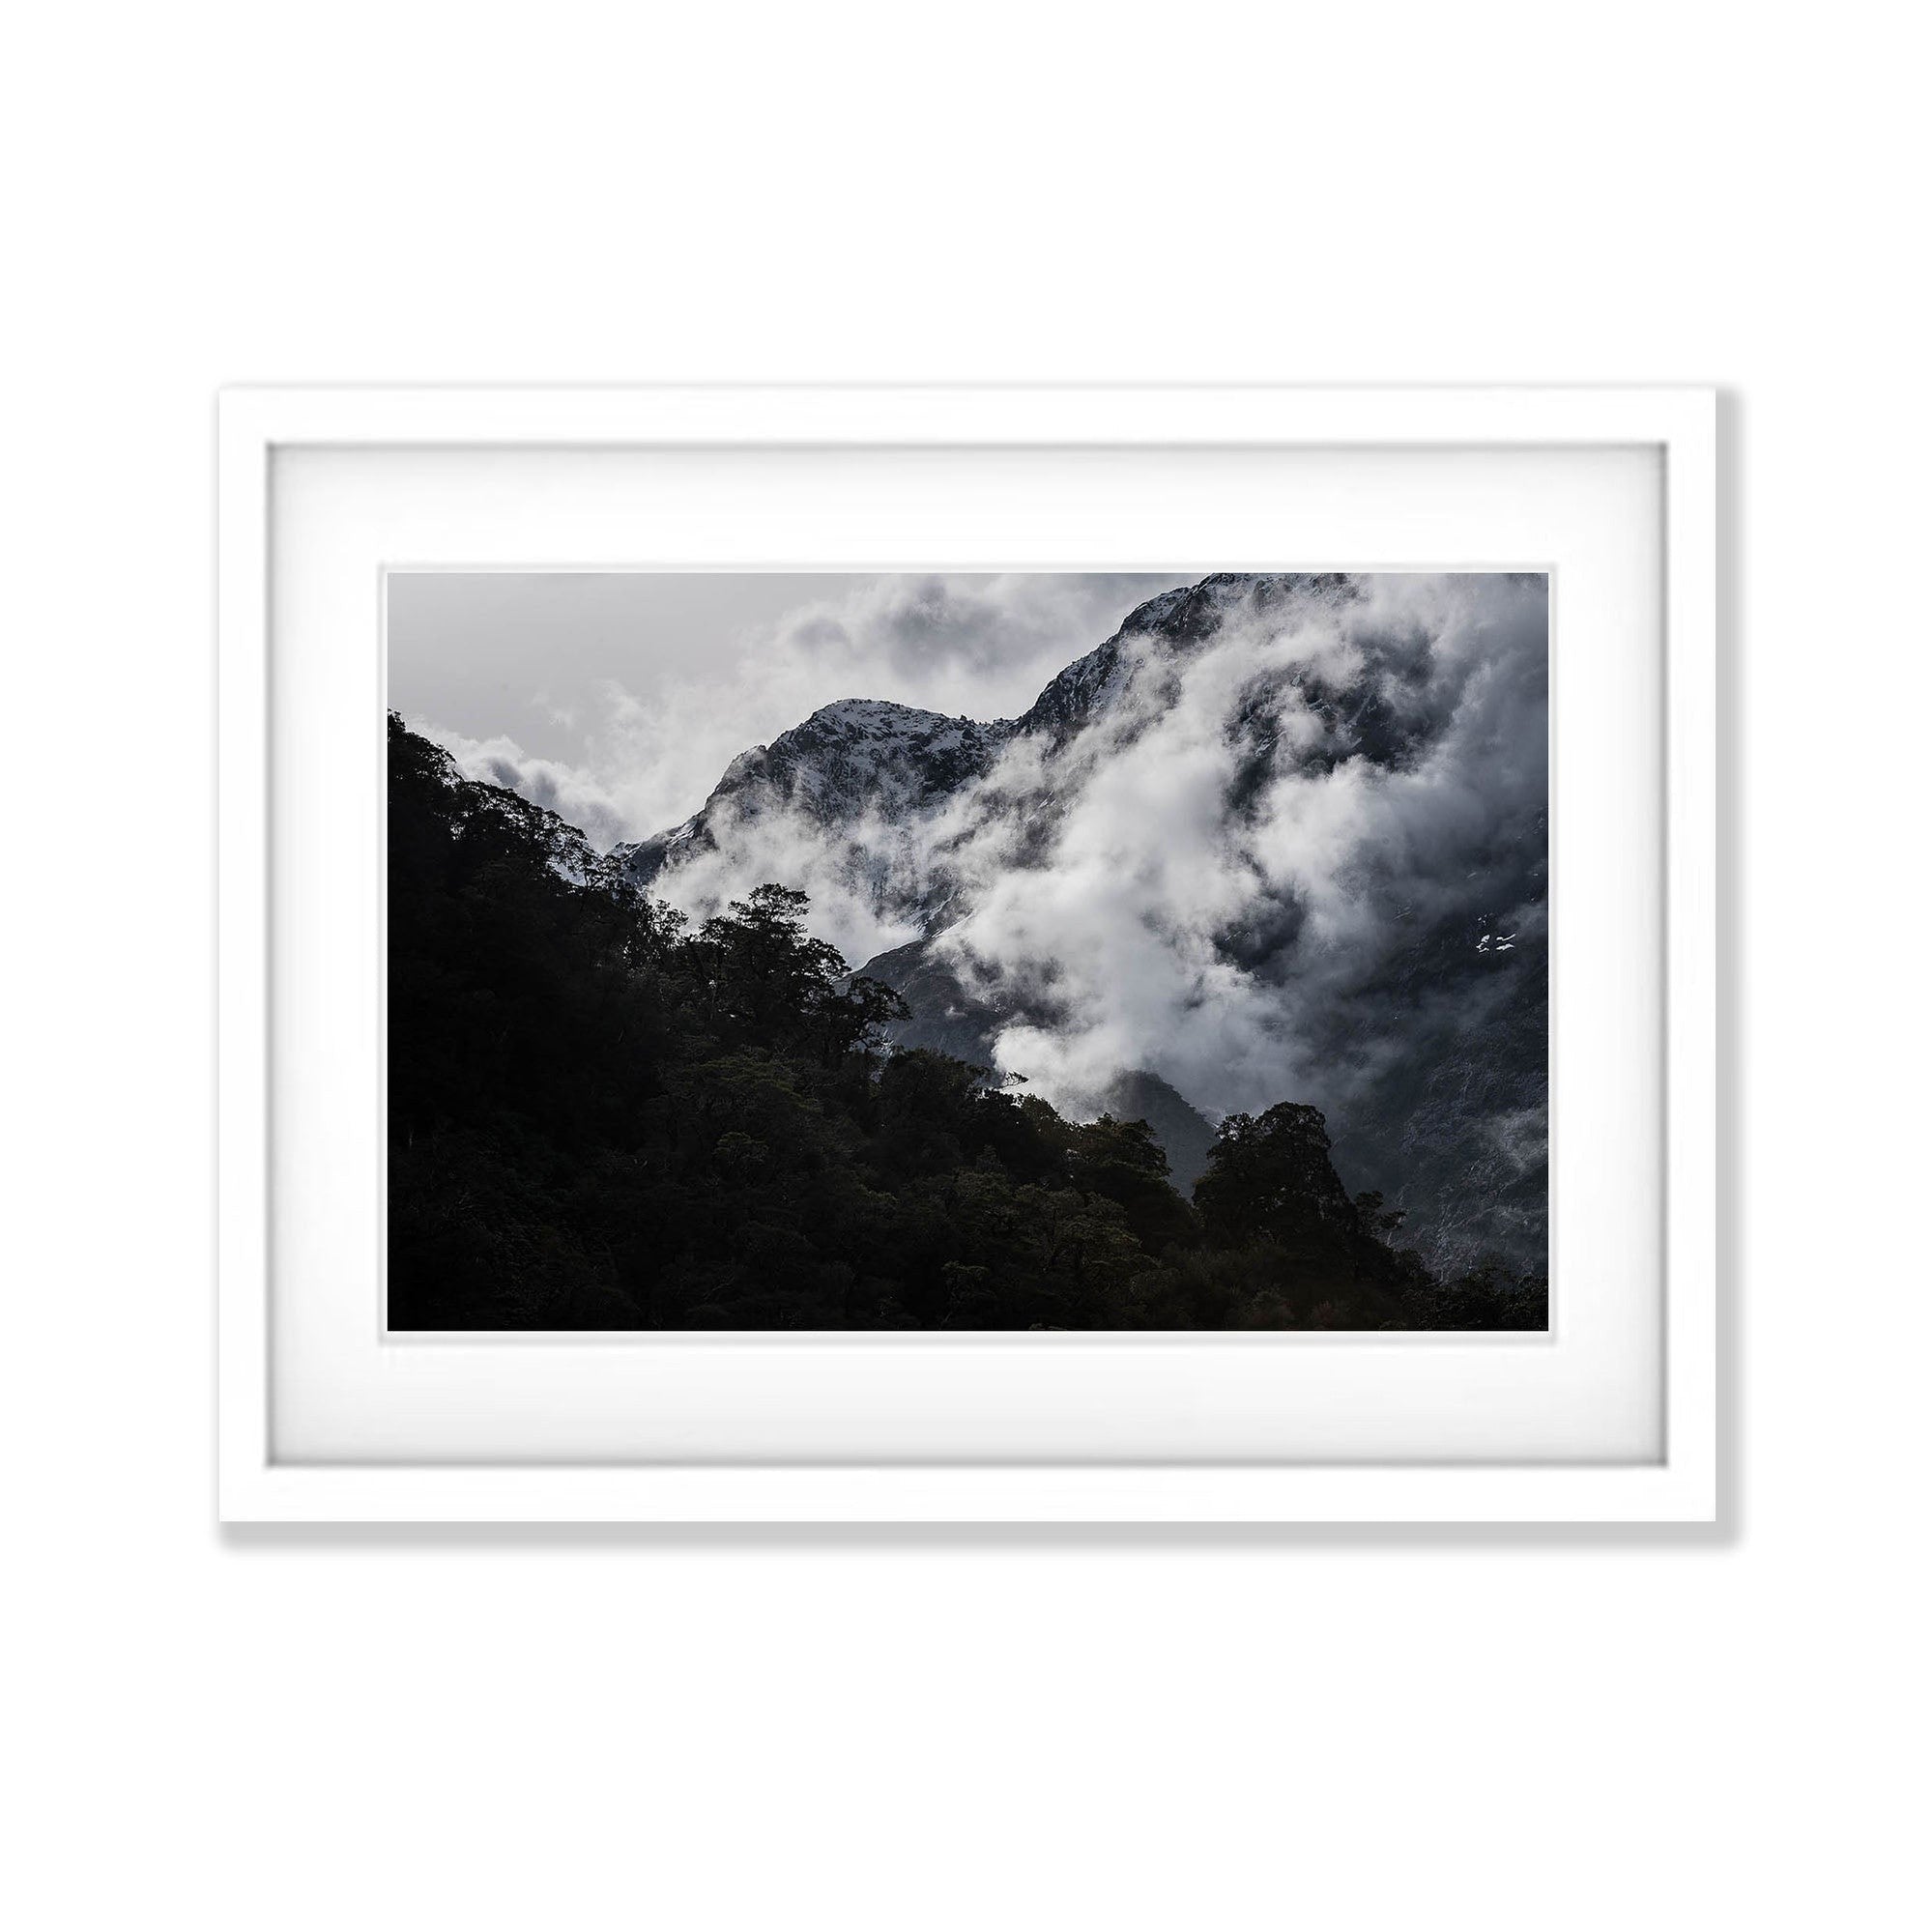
x: 855, y: 903
x: 1228, y: 934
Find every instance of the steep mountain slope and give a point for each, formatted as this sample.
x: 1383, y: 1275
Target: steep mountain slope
x: 1279, y: 838
x: 848, y: 764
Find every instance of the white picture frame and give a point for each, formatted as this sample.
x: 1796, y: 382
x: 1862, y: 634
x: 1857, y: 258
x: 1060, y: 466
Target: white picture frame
x: 1047, y: 1478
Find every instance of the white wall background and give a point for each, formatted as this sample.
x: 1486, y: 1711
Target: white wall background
x: 586, y: 1730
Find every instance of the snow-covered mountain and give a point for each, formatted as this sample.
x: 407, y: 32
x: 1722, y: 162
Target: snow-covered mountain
x: 850, y: 779
x: 1281, y: 837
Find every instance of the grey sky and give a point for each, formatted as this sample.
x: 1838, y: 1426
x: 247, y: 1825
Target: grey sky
x: 492, y: 652
x: 618, y: 699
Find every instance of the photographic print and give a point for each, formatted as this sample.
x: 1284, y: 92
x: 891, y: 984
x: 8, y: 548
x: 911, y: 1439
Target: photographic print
x: 964, y: 952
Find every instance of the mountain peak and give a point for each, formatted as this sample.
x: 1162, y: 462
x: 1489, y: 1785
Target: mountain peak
x: 878, y: 721
x: 854, y: 760
x: 1187, y: 615
x: 871, y: 715
x: 1193, y: 611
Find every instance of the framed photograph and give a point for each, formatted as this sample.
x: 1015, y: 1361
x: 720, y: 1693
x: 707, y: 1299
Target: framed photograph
x: 967, y: 955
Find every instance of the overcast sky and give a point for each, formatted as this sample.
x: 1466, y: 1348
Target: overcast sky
x: 618, y: 699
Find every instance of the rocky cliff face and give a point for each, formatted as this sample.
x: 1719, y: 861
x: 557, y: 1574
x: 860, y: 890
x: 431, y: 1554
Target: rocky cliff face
x: 1279, y: 838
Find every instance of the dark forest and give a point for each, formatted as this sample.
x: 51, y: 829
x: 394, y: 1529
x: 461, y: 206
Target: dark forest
x: 602, y: 1118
